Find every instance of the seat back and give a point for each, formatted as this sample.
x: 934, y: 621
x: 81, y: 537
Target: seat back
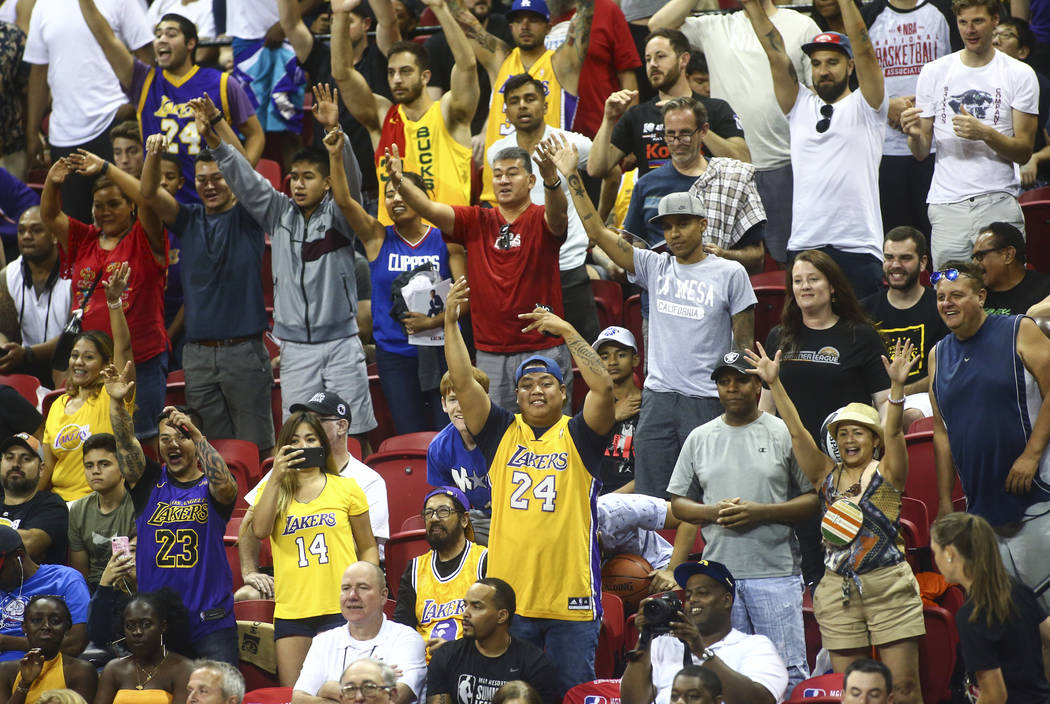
x: 937, y: 654
x: 25, y: 384
x: 271, y: 171
x: 632, y: 320
x: 922, y: 472
x: 405, y: 474
x: 601, y: 691
x: 269, y: 695
x: 608, y: 298
x: 921, y: 425
x: 610, y: 638
x: 1037, y: 234
x: 410, y: 442
x: 242, y: 457
x: 254, y: 610
x: 400, y: 550
x: 823, y: 688
x: 768, y: 309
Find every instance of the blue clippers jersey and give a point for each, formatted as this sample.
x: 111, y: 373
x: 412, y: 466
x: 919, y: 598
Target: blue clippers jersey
x: 395, y: 258
x: 162, y: 105
x: 180, y: 546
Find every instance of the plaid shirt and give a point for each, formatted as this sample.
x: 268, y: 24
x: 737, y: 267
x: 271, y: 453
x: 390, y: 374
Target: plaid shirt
x: 733, y: 204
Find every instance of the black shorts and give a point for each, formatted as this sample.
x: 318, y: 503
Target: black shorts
x: 309, y: 627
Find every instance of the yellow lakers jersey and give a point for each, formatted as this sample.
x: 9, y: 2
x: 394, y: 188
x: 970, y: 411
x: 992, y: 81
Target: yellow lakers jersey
x: 439, y: 601
x: 543, y: 536
x: 312, y: 544
x: 428, y: 149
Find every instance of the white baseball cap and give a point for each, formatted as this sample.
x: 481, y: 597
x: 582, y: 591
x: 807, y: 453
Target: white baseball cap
x: 616, y: 334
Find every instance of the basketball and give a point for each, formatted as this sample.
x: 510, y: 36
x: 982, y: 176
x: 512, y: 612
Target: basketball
x: 627, y: 576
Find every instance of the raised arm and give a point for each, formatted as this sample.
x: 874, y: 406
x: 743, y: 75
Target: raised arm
x: 51, y: 213
x: 785, y: 79
x: 213, y: 127
x: 119, y: 56
x: 490, y: 50
x: 388, y: 32
x: 604, y: 156
x: 162, y: 202
x: 869, y: 73
x: 442, y: 216
x: 672, y: 15
x: 566, y: 157
x: 599, y: 407
x: 568, y: 58
x: 121, y: 386
x: 556, y: 206
x: 459, y: 105
x: 895, y: 462
x: 369, y: 230
x: 295, y: 30
x: 814, y: 463
x: 471, y: 395
x: 221, y: 484
x: 366, y: 107
x: 326, y: 112
x: 115, y: 286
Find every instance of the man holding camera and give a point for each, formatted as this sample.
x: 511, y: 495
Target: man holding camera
x: 700, y: 633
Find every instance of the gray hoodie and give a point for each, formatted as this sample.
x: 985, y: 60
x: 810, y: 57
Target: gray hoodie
x: 315, y: 291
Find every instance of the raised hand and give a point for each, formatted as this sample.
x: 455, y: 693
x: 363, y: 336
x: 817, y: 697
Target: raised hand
x: 31, y: 665
x: 117, y: 385
x: 543, y: 320
x: 904, y: 360
x: 457, y: 295
x: 204, y: 104
x: 326, y: 106
x: 333, y: 141
x: 86, y: 163
x: 174, y: 418
x: 345, y: 5
x: 59, y: 171
x: 542, y: 158
x: 117, y: 283
x: 617, y: 103
x: 394, y: 166
x: 564, y: 154
x: 157, y: 144
x: 765, y: 368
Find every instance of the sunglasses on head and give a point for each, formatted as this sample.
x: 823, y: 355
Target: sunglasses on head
x: 949, y: 274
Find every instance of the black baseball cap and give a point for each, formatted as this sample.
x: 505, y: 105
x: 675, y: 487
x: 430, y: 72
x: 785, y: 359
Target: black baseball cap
x: 324, y: 403
x: 731, y: 360
x: 10, y: 542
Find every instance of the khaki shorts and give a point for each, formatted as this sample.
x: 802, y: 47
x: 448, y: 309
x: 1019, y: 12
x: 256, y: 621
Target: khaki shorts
x: 890, y: 610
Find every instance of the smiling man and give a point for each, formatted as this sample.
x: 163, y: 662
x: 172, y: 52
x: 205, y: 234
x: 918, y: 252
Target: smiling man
x: 40, y: 517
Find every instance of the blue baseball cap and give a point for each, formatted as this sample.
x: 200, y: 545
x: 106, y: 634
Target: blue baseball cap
x: 538, y: 7
x: 538, y: 362
x: 457, y: 496
x: 829, y: 40
x: 715, y: 570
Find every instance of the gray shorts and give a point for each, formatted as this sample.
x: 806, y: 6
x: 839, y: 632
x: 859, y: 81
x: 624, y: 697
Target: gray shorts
x: 665, y: 421
x: 954, y: 226
x: 335, y: 365
x: 230, y: 387
x: 501, y: 367
x: 1026, y: 554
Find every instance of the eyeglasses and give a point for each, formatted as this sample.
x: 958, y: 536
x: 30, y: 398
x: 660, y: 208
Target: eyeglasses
x: 1005, y: 34
x: 368, y: 690
x: 826, y: 111
x: 979, y: 255
x: 683, y: 136
x: 441, y: 512
x: 949, y: 274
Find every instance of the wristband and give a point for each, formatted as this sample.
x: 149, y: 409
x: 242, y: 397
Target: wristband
x: 22, y: 688
x: 554, y: 186
x: 896, y: 401
x: 113, y: 306
x: 104, y: 169
x: 29, y: 352
x: 215, y: 120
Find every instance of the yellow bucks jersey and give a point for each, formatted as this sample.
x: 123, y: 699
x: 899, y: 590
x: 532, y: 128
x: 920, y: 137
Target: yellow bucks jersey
x: 561, y: 106
x: 542, y: 539
x: 312, y: 544
x: 429, y: 150
x: 439, y: 600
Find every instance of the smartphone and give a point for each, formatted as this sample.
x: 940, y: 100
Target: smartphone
x: 312, y: 457
x: 119, y: 544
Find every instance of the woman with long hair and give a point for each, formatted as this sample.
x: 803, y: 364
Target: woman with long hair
x: 868, y: 595
x: 156, y: 634
x: 999, y: 623
x: 83, y: 410
x: 317, y: 523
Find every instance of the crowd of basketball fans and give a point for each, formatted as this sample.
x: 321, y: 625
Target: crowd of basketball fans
x: 432, y: 190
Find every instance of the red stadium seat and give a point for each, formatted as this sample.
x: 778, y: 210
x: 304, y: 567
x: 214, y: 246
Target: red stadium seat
x: 610, y: 638
x: 229, y: 540
x: 177, y: 376
x: 922, y: 472
x: 767, y: 310
x: 415, y: 522
x: 381, y: 408
x: 608, y: 297
x: 937, y: 654
x: 353, y: 446
x: 1035, y: 194
x: 400, y: 550
x: 388, y: 608
x: 260, y: 610
x: 405, y: 474
x: 915, y: 511
x: 269, y: 695
x: 632, y: 320
x: 606, y: 691
x: 921, y: 425
x: 814, y: 641
x: 410, y: 442
x: 176, y: 394
x: 272, y: 171
x: 823, y: 689
x: 25, y: 384
x: 267, y: 274
x: 775, y: 277
x: 1037, y: 231
x: 50, y: 398
x: 242, y: 457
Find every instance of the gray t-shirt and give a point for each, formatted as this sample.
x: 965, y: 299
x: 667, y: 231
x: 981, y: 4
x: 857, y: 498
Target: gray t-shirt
x: 90, y: 530
x: 753, y: 462
x: 690, y: 318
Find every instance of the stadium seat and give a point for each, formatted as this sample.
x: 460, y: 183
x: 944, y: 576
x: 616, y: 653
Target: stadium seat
x: 915, y: 511
x: 242, y: 457
x: 632, y: 320
x: 229, y: 540
x: 267, y: 274
x: 767, y: 311
x: 579, y: 390
x: 814, y: 642
x: 25, y: 384
x: 921, y: 426
x: 176, y: 394
x: 922, y: 472
x: 609, y: 654
x: 254, y: 610
x: 415, y: 522
x: 269, y: 695
x: 388, y: 608
x: 381, y: 408
x: 1037, y: 231
x: 775, y: 277
x: 353, y: 446
x: 177, y: 376
x: 1036, y: 194
x: 405, y: 474
x: 49, y: 398
x: 400, y: 549
x: 603, y: 691
x: 271, y: 170
x: 937, y: 654
x: 823, y: 689
x: 608, y: 297
x: 410, y: 442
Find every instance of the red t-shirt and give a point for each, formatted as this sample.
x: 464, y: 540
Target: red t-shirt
x: 511, y: 267
x: 144, y: 298
x: 610, y: 50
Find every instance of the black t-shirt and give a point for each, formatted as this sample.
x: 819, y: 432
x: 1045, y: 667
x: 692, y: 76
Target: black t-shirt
x: 921, y: 324
x: 1012, y: 646
x: 618, y: 462
x: 373, y: 67
x: 831, y: 368
x: 1034, y: 287
x: 16, y: 414
x: 405, y: 611
x: 468, y: 677
x: 46, y: 512
x: 441, y: 67
x: 640, y: 130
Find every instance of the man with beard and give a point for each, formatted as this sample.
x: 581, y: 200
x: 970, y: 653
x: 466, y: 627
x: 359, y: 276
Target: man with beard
x: 638, y: 130
x: 836, y: 143
x: 748, y: 666
x: 430, y: 597
x: 907, y: 309
x: 40, y: 517
x: 433, y: 136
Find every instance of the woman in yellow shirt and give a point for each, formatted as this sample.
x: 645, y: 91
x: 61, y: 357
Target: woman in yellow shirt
x: 317, y: 522
x: 84, y: 409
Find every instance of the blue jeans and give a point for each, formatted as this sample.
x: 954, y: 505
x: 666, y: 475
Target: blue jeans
x: 151, y: 386
x: 413, y: 409
x: 219, y: 645
x: 772, y: 607
x: 864, y: 271
x: 569, y: 644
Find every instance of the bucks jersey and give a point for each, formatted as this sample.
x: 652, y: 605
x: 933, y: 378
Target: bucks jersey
x: 440, y: 600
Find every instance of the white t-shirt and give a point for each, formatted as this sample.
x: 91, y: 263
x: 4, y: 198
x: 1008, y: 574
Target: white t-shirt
x: 42, y: 316
x: 905, y: 41
x: 573, y: 250
x: 836, y: 174
x: 7, y: 11
x: 250, y: 19
x: 628, y: 525
x: 741, y: 76
x: 199, y: 12
x: 967, y: 167
x: 85, y: 93
x: 754, y: 657
x: 397, y: 645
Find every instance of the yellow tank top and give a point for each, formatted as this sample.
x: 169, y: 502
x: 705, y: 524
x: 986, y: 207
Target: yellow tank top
x: 52, y: 676
x: 142, y: 696
x: 542, y: 539
x: 439, y: 601
x: 561, y: 105
x: 429, y: 150
x: 312, y: 544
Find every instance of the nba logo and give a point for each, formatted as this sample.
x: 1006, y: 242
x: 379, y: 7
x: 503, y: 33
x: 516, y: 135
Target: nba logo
x: 808, y: 693
x: 594, y: 699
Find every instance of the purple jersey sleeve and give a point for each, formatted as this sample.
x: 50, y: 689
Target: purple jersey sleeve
x: 240, y: 105
x: 138, y: 80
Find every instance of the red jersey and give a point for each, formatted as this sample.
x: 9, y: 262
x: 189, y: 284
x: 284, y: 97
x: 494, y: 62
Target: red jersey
x: 511, y: 267
x: 144, y: 298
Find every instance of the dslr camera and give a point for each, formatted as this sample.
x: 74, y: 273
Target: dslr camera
x: 660, y: 611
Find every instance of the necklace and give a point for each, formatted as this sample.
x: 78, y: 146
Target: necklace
x: 854, y: 488
x: 149, y: 674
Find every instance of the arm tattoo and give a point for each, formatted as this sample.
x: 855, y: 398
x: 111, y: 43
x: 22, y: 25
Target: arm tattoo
x: 487, y: 41
x: 585, y: 355
x: 577, y: 185
x: 774, y: 41
x: 623, y: 245
x: 214, y: 467
x: 130, y: 458
x: 580, y: 27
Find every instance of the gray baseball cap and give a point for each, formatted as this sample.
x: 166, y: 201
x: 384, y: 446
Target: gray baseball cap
x: 680, y: 204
